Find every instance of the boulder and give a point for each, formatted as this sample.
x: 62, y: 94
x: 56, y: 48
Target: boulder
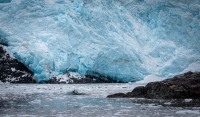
x: 180, y: 87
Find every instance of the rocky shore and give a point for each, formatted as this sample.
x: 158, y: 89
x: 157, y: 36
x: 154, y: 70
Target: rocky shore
x: 184, y: 86
x: 13, y: 71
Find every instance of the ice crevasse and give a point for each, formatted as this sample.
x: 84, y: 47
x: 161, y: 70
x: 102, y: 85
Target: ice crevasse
x: 126, y: 40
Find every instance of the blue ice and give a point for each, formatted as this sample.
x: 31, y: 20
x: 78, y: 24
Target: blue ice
x: 127, y: 40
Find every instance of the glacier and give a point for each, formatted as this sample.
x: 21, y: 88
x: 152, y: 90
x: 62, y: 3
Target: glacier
x: 127, y: 40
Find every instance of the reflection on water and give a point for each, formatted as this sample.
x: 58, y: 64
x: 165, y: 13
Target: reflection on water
x: 63, y: 103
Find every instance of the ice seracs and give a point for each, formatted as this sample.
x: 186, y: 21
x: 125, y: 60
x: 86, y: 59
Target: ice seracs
x: 126, y: 40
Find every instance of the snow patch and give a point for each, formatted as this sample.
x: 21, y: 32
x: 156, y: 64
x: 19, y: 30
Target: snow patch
x: 187, y: 100
x: 68, y: 76
x: 13, y: 69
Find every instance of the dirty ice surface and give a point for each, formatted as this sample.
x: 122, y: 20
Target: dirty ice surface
x: 58, y: 100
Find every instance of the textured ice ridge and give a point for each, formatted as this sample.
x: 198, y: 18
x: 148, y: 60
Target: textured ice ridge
x: 123, y: 39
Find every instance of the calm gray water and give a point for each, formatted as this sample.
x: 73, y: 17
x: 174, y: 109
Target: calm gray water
x: 49, y: 100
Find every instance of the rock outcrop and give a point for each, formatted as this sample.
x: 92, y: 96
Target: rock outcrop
x: 13, y: 71
x: 180, y: 87
x: 68, y: 78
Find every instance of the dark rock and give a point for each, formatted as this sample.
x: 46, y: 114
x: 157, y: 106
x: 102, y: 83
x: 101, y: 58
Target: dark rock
x: 118, y: 95
x: 13, y: 71
x: 76, y: 92
x: 53, y: 80
x: 81, y: 79
x: 93, y: 79
x: 180, y: 87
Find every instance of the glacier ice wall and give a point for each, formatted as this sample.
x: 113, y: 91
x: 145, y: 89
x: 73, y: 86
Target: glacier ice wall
x: 123, y: 39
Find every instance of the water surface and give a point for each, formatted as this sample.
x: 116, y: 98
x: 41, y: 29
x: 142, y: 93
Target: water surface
x: 59, y: 100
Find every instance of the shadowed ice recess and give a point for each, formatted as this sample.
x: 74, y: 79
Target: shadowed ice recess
x: 128, y: 40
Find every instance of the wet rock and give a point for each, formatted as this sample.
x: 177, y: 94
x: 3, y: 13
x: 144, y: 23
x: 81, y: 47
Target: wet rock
x: 13, y: 71
x: 118, y: 95
x: 180, y: 87
x: 76, y: 92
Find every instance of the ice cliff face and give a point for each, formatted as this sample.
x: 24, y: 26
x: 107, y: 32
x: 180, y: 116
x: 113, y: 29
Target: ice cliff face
x: 123, y: 39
